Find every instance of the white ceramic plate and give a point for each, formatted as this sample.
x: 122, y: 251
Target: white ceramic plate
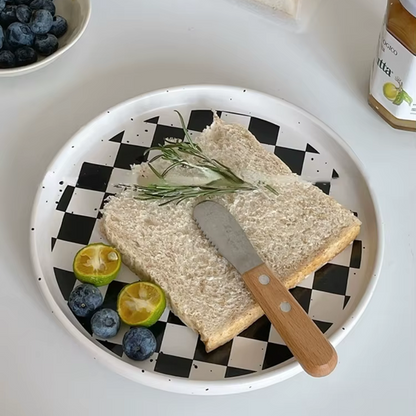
x: 66, y: 211
x: 77, y: 13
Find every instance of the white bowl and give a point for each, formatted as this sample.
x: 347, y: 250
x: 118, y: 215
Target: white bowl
x: 77, y: 13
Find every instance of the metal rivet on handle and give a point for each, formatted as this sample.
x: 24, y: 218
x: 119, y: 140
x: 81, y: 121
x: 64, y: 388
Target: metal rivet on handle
x: 264, y: 280
x: 285, y: 307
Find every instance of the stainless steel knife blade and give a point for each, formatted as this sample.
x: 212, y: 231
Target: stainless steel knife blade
x: 226, y: 234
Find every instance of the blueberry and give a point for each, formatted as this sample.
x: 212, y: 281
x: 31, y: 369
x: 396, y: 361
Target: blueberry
x: 23, y: 13
x: 17, y: 2
x: 25, y: 56
x: 1, y: 37
x: 84, y: 300
x: 2, y: 4
x: 8, y: 16
x: 105, y: 323
x: 7, y: 59
x: 59, y: 26
x: 6, y: 46
x: 46, y: 44
x: 41, y: 22
x: 139, y: 343
x: 43, y: 4
x: 18, y: 34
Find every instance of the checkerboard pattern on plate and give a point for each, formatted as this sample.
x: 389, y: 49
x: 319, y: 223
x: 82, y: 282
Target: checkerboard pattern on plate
x: 324, y: 295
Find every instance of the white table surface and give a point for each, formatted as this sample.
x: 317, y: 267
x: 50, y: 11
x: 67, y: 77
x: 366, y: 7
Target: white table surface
x: 142, y: 45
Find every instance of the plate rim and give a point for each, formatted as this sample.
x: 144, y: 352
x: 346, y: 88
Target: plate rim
x: 209, y: 387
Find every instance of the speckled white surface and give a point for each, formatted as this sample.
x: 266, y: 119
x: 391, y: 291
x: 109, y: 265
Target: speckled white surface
x: 43, y: 370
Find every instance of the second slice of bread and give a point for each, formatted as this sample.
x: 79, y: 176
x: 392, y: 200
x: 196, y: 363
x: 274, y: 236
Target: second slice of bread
x: 295, y: 232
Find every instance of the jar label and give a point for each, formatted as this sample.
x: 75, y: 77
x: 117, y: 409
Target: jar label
x: 393, y: 77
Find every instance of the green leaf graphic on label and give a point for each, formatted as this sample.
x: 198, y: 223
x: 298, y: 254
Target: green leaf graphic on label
x: 399, y: 98
x: 407, y: 98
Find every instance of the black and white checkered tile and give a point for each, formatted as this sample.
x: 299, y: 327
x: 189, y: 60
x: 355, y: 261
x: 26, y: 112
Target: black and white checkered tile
x: 324, y: 295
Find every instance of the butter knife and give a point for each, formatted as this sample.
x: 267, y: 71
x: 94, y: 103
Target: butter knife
x: 304, y: 339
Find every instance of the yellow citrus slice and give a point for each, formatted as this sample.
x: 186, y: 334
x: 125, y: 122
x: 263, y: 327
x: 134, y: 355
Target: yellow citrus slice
x: 390, y: 91
x: 141, y: 304
x: 97, y: 264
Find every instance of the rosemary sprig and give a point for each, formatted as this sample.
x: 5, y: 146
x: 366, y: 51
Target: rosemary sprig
x: 179, y: 193
x: 188, y: 155
x: 171, y: 151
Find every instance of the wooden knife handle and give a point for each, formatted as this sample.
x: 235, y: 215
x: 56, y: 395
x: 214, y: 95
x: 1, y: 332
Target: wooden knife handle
x: 304, y: 339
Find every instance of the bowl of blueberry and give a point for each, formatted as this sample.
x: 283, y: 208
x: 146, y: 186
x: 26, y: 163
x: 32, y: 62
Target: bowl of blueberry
x: 33, y: 33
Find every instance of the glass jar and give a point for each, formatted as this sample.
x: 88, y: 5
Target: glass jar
x: 393, y: 76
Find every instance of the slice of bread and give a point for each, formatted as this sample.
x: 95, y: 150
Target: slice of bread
x: 295, y: 232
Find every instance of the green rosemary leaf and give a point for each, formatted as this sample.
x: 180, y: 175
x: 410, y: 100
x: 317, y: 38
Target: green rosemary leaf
x: 169, y: 168
x: 187, y: 135
x: 168, y: 202
x: 271, y: 189
x: 155, y: 171
x: 155, y: 158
